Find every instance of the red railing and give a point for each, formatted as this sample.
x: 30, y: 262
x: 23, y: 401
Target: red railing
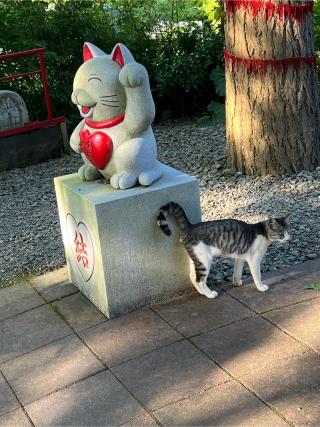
x: 42, y: 73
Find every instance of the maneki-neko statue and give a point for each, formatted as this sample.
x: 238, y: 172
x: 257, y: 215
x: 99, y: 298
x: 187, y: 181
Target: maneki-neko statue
x: 115, y: 137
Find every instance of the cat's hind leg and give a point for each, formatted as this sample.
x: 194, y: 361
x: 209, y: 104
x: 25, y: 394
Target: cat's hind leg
x: 149, y: 176
x: 200, y: 261
x: 237, y: 271
x: 135, y: 161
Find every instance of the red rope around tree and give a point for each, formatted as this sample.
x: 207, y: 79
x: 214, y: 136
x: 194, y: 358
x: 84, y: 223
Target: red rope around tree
x: 261, y: 65
x: 294, y: 11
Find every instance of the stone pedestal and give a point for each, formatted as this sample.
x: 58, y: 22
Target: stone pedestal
x: 116, y: 253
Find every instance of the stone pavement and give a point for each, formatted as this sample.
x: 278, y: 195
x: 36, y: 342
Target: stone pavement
x: 244, y: 359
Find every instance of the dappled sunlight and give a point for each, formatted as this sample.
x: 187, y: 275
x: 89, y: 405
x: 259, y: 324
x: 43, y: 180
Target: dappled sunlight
x: 50, y: 368
x: 161, y: 371
x: 229, y: 404
x: 291, y: 387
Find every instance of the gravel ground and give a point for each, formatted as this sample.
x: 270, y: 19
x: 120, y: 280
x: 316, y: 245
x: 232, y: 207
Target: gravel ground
x: 30, y: 238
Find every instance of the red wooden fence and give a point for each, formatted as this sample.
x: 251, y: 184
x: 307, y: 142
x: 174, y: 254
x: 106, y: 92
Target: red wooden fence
x: 42, y: 73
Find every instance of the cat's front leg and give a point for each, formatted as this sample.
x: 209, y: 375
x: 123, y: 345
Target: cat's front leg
x: 237, y: 272
x: 254, y: 265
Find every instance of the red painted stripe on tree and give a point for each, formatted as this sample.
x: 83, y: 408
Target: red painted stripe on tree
x: 261, y: 65
x: 293, y: 11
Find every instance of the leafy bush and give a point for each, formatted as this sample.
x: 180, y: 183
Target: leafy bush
x: 216, y: 110
x: 62, y: 31
x: 179, y: 56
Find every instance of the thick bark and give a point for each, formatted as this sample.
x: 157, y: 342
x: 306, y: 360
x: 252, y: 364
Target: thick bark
x: 272, y: 118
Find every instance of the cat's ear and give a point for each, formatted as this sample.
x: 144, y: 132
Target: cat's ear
x: 272, y: 221
x: 121, y: 55
x: 91, y: 51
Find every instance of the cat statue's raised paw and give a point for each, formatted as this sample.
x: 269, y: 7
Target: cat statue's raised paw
x: 115, y: 137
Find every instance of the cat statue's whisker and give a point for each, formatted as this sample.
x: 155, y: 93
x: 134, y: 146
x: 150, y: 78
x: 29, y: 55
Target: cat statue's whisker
x: 110, y: 105
x: 230, y: 238
x: 107, y: 96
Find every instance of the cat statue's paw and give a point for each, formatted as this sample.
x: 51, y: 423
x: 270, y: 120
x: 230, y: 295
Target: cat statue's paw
x: 122, y: 181
x: 263, y: 287
x: 132, y: 75
x: 88, y: 173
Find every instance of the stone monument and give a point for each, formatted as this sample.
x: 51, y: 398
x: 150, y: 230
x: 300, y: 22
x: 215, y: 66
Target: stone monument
x: 115, y: 252
x: 13, y: 110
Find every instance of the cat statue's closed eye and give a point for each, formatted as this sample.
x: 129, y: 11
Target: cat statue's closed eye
x: 227, y: 237
x: 115, y: 137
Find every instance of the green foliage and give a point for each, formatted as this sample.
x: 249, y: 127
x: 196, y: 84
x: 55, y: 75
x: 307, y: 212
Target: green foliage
x: 216, y: 110
x: 218, y: 78
x: 216, y: 114
x: 314, y: 286
x: 62, y: 31
x: 166, y: 36
x: 214, y: 12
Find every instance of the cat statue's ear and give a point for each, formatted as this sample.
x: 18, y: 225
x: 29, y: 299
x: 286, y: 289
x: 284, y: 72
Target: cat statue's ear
x: 121, y: 55
x: 91, y: 51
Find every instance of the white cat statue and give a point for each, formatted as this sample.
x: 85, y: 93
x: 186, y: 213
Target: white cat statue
x: 115, y: 137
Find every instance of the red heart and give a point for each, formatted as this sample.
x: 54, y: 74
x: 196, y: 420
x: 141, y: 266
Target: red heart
x: 97, y: 147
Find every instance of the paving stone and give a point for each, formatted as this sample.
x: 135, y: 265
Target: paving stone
x: 54, y: 285
x: 229, y: 404
x: 248, y: 345
x: 79, y: 312
x: 301, y: 321
x: 142, y: 421
x: 8, y: 401
x: 292, y: 387
x: 194, y: 314
x: 97, y: 401
x: 50, y: 368
x: 30, y: 330
x: 286, y: 287
x: 15, y: 418
x: 168, y: 374
x: 129, y: 336
x: 17, y: 299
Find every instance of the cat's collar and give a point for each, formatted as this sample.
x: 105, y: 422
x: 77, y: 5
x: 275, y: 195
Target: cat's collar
x: 106, y: 123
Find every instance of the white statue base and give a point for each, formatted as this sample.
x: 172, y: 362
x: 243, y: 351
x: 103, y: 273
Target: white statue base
x: 116, y: 253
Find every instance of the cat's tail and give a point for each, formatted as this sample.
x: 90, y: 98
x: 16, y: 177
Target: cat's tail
x: 176, y: 210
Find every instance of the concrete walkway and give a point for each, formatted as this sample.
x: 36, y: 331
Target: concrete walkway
x: 246, y: 358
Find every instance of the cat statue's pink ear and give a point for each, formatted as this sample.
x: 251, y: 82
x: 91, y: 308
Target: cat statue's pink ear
x: 121, y: 55
x: 91, y: 51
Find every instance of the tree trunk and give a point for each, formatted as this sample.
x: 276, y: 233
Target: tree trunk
x: 272, y: 115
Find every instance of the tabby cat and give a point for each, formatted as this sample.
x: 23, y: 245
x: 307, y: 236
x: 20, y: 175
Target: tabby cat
x: 227, y: 237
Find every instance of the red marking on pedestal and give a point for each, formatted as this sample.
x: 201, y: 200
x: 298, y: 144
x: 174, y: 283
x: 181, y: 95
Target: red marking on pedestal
x: 81, y: 244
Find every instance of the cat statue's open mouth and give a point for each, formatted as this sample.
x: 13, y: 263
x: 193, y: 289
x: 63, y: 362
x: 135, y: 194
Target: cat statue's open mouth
x: 85, y: 111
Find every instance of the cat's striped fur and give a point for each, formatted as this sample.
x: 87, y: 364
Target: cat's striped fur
x: 228, y: 237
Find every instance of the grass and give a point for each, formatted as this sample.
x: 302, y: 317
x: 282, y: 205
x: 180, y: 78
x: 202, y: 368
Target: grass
x: 314, y: 286
x: 18, y: 278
